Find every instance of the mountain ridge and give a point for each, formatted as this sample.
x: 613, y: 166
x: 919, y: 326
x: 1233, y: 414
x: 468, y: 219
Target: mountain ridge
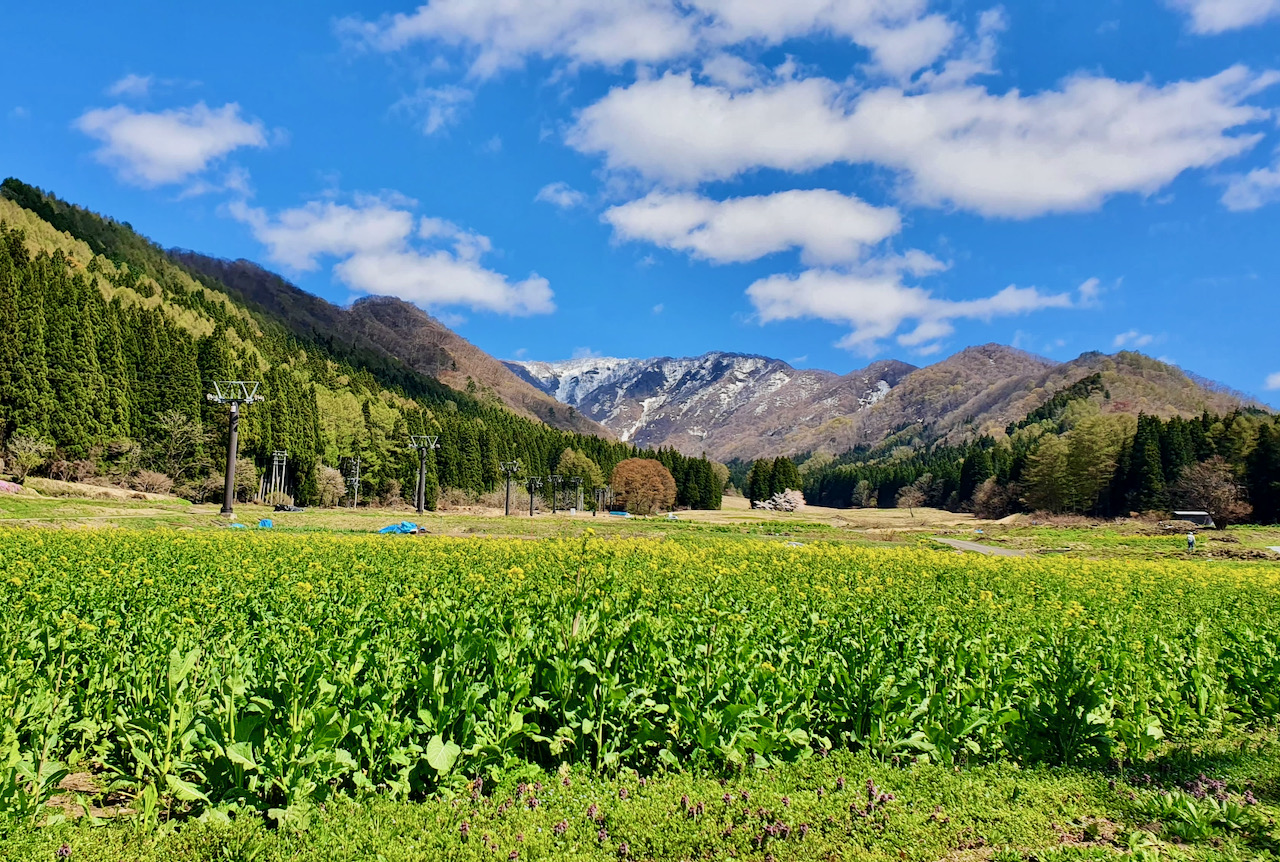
x: 394, y: 328
x: 747, y: 406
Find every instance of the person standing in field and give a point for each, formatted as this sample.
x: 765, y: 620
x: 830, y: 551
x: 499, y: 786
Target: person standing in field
x: 1191, y: 543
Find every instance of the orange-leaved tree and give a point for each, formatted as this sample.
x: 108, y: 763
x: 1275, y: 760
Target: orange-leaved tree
x: 643, y: 485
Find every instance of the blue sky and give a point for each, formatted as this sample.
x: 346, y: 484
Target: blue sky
x: 824, y: 181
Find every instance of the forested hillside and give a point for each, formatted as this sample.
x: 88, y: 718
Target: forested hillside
x: 1076, y: 453
x: 110, y: 348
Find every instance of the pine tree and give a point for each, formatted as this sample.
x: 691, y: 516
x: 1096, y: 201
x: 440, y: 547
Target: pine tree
x: 975, y: 470
x: 760, y: 481
x: 1264, y: 475
x: 25, y: 396
x: 783, y: 476
x: 1146, y: 470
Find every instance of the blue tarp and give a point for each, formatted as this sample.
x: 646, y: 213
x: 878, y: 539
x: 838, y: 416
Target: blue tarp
x: 402, y: 527
x: 235, y: 526
x: 265, y: 523
x: 621, y: 514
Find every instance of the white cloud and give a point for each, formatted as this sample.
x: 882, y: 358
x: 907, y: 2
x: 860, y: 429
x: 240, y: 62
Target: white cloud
x: 439, y: 107
x: 131, y: 86
x: 1273, y: 381
x: 1253, y: 190
x: 659, y: 308
x: 560, y: 195
x: 874, y: 301
x: 730, y: 71
x: 1133, y: 339
x: 1065, y: 149
x: 1089, y: 291
x: 585, y: 353
x: 1219, y: 16
x: 152, y: 149
x: 382, y: 248
x: 501, y: 34
x: 826, y: 226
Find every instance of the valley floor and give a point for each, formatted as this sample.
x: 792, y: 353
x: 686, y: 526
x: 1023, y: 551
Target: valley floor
x: 816, y: 810
x: 1216, y: 799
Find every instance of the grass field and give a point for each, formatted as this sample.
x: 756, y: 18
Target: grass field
x: 313, y: 693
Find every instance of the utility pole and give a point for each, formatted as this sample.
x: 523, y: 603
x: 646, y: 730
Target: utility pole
x: 556, y: 479
x: 354, y: 482
x: 279, y: 460
x: 509, y: 469
x: 233, y: 393
x: 533, y: 483
x: 424, y: 444
x: 576, y: 481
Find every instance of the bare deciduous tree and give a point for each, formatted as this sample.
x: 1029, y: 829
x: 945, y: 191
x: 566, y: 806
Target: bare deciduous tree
x: 1212, y: 486
x: 27, y: 454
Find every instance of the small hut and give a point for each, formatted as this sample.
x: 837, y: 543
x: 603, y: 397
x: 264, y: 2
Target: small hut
x: 1200, y: 519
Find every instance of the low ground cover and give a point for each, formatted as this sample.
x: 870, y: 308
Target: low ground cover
x: 258, y: 676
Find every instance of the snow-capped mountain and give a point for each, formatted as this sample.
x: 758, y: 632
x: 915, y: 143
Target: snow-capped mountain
x: 725, y: 404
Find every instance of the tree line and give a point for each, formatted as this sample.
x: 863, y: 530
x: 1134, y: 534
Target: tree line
x: 1071, y: 457
x: 105, y: 365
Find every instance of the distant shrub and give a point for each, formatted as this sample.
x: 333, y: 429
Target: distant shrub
x: 151, y: 482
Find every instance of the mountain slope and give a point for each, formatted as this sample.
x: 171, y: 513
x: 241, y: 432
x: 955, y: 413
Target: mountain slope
x: 110, y: 347
x: 394, y: 329
x: 744, y: 407
x: 730, y: 405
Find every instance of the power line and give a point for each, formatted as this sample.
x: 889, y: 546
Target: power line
x: 233, y: 393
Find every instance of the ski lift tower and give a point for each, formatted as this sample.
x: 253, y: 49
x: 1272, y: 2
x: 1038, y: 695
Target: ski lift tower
x: 424, y: 444
x: 509, y: 469
x: 233, y: 393
x: 533, y: 483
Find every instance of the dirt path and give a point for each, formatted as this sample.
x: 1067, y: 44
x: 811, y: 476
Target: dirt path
x: 961, y: 545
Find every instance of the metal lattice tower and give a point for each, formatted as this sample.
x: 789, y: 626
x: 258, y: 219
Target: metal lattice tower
x: 233, y: 393
x: 354, y: 481
x: 424, y: 443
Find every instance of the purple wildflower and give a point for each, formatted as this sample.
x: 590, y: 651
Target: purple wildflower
x: 63, y: 852
x: 840, y: 783
x: 786, y: 802
x: 622, y: 793
x: 561, y: 827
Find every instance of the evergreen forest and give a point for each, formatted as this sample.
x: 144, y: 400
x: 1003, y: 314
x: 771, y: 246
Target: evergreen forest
x: 110, y: 347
